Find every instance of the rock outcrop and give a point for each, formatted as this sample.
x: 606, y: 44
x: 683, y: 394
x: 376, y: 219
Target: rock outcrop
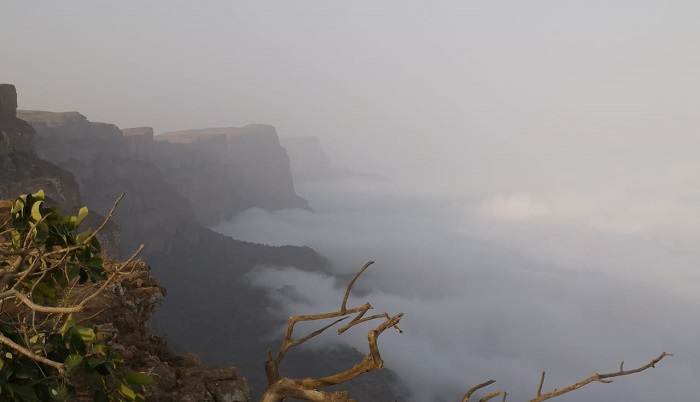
x: 21, y: 170
x: 125, y: 308
x: 254, y: 168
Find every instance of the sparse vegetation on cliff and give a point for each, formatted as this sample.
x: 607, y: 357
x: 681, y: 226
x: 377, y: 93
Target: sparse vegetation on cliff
x: 50, y: 274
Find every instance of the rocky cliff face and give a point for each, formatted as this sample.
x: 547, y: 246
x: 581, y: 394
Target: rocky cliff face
x: 256, y: 166
x: 21, y: 170
x: 171, y: 188
x: 128, y: 303
x: 124, y: 309
x: 220, y: 174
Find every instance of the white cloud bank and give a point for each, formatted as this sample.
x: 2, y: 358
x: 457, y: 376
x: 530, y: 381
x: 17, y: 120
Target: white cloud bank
x: 504, y: 286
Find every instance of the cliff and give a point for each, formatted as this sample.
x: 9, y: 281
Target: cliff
x: 310, y: 163
x: 221, y: 175
x: 256, y: 165
x: 123, y: 310
x: 21, y: 170
x: 173, y: 188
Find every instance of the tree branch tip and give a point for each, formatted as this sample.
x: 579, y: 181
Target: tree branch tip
x: 539, y: 388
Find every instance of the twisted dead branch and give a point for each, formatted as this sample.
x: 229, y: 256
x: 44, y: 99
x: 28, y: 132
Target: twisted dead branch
x: 280, y: 388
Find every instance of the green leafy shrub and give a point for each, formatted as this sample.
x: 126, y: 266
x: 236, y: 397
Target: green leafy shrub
x: 49, y: 272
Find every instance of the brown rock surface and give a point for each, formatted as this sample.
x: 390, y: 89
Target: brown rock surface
x: 126, y: 307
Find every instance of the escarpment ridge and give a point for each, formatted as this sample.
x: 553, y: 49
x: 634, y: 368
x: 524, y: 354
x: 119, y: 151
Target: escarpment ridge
x: 222, y: 173
x: 174, y: 189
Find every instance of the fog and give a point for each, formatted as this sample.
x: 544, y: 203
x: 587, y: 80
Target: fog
x: 503, y: 286
x: 543, y: 209
x: 455, y: 91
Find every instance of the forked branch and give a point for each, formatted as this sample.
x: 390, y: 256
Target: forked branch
x: 280, y: 388
x: 601, y: 378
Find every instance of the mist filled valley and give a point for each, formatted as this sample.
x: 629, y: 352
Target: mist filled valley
x: 498, y: 286
x: 524, y: 177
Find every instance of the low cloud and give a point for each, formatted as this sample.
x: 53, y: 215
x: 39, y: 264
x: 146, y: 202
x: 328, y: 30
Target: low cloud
x: 504, y: 286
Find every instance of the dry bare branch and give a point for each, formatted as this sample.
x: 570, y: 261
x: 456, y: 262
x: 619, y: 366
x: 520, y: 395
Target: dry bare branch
x: 281, y: 388
x: 598, y: 378
x: 602, y: 378
x: 13, y: 293
x: 21, y: 349
x: 475, y: 388
x: 352, y: 283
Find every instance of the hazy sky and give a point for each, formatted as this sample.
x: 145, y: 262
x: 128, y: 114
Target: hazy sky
x: 542, y: 91
x: 559, y: 139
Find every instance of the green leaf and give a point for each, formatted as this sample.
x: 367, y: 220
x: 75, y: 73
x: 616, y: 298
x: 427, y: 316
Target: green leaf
x: 82, y: 214
x: 73, y: 361
x: 96, y: 361
x: 17, y: 206
x: 126, y: 390
x: 86, y: 334
x: 36, y: 212
x: 24, y: 393
x: 42, y: 232
x: 97, y: 274
x: 82, y: 237
x: 70, y: 323
x: 38, y: 297
x: 77, y: 344
x: 46, y: 290
x: 138, y: 378
x: 72, y: 271
x: 83, y: 276
x: 39, y: 195
x: 16, y: 239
